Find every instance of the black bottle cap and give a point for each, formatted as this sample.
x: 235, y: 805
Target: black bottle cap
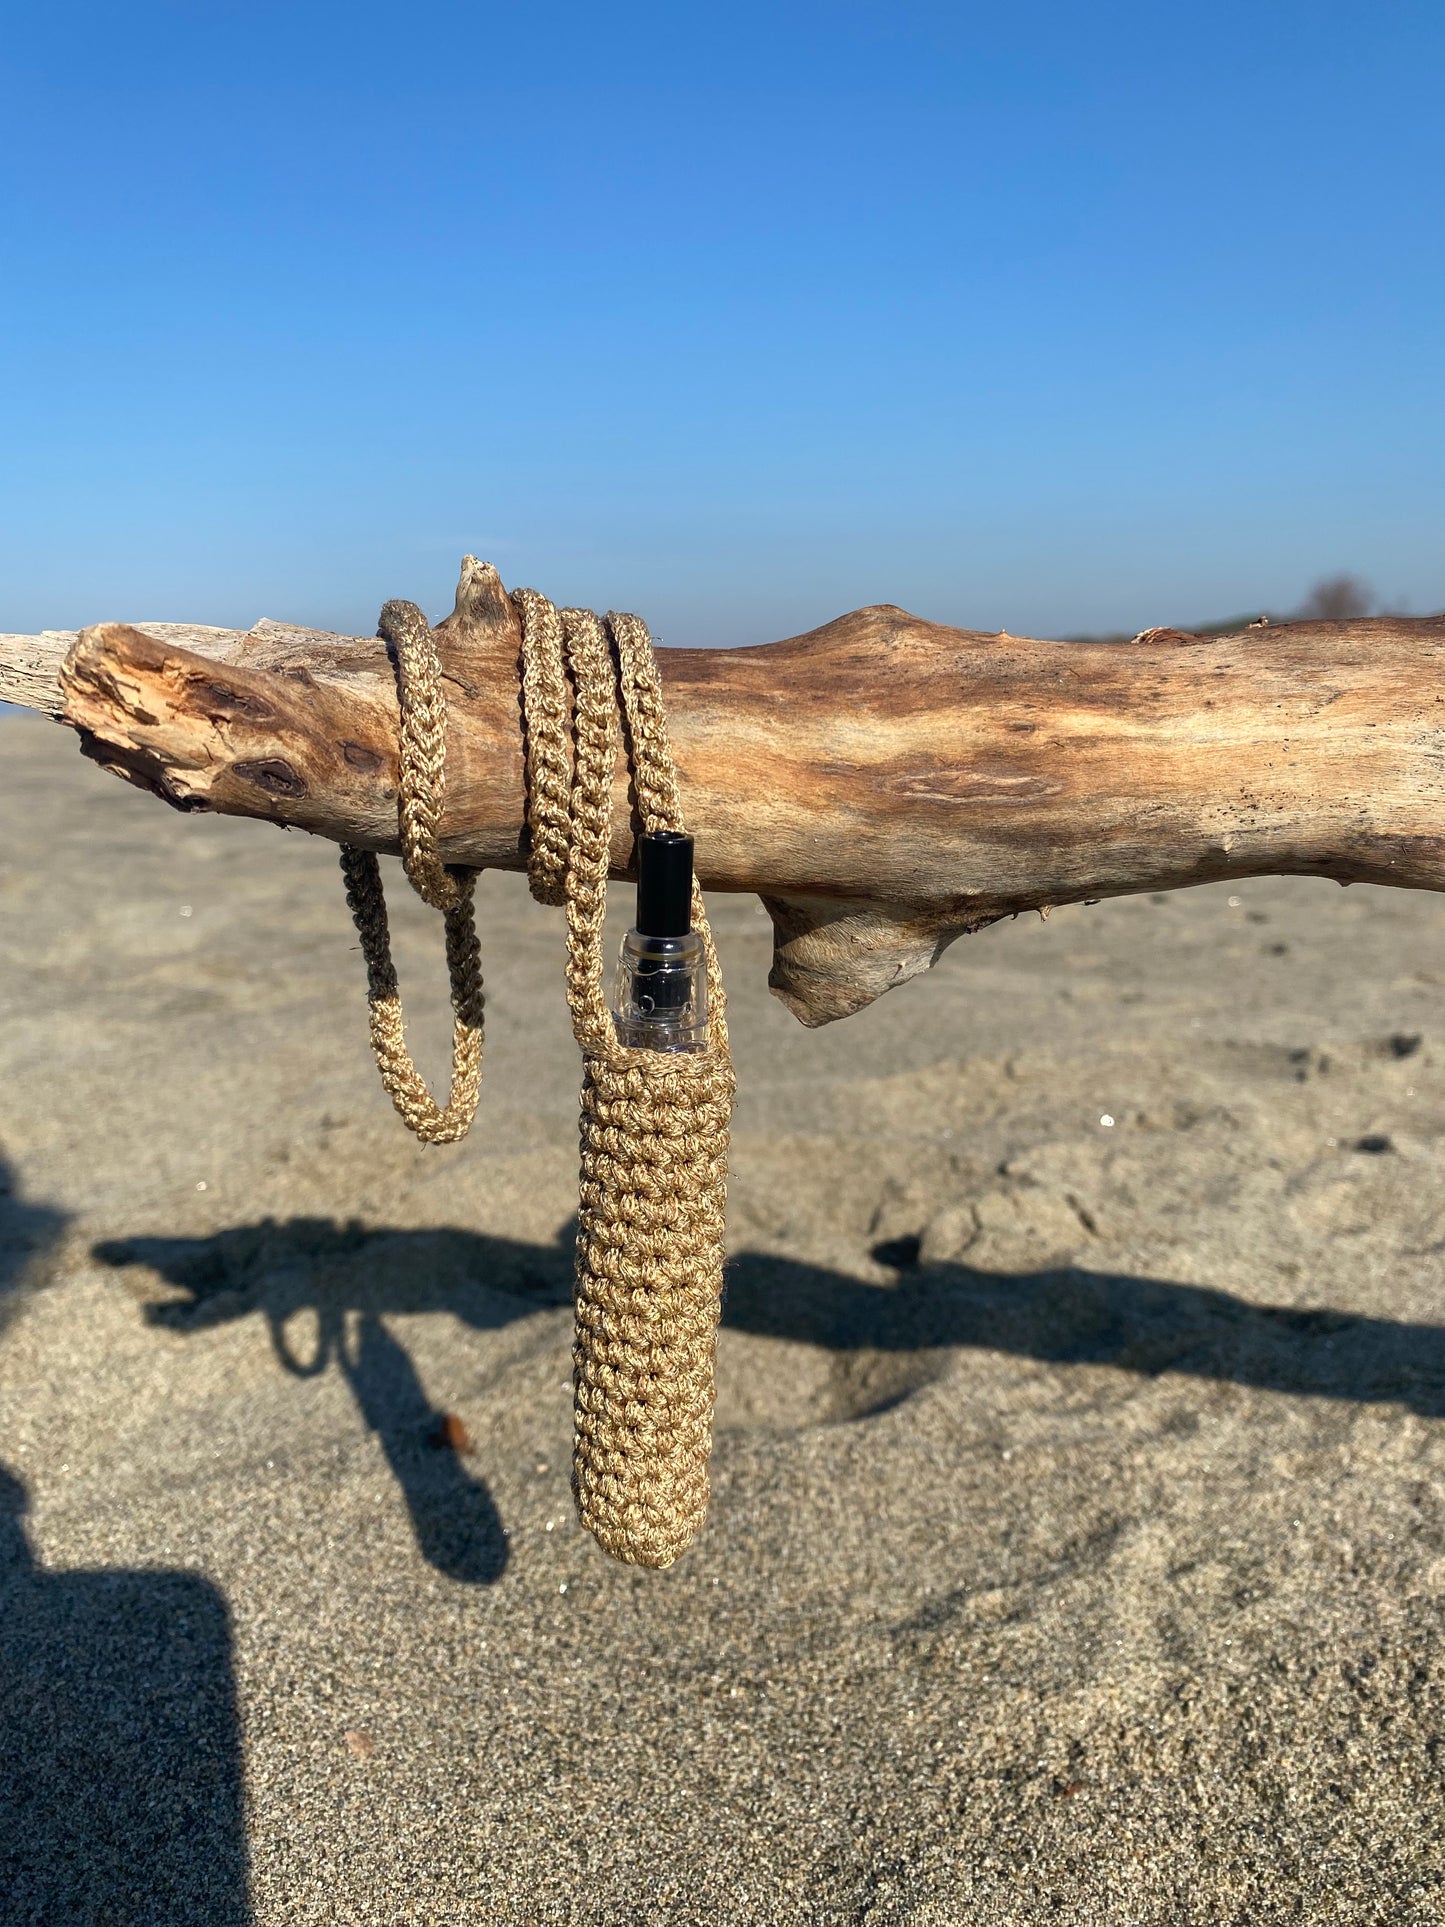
x: 664, y: 883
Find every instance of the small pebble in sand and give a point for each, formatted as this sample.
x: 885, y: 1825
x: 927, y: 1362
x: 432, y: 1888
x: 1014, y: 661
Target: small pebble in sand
x: 200, y: 1184
x: 450, y: 1431
x: 1107, y: 1121
x: 359, y: 1743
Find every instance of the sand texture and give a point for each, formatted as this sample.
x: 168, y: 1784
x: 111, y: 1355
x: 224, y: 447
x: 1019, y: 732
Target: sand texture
x: 1077, y: 1547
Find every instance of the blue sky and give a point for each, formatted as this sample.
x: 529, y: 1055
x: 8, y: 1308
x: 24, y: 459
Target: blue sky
x: 1054, y: 317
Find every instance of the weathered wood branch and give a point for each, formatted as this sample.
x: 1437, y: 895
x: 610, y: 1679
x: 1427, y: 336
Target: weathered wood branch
x: 885, y: 784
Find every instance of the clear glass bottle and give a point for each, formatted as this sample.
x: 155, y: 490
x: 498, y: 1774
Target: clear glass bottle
x: 660, y: 998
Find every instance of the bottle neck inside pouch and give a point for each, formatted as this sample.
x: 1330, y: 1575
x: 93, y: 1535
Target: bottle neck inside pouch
x: 661, y: 989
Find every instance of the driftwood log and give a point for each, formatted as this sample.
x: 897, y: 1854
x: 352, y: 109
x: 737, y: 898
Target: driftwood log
x: 885, y: 784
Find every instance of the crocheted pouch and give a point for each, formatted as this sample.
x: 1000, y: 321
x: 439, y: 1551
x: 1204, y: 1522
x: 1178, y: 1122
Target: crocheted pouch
x: 654, y: 1125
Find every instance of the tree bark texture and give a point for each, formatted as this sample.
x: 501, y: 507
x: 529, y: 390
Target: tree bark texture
x: 885, y: 784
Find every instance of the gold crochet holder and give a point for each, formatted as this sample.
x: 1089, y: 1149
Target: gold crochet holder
x: 654, y: 1125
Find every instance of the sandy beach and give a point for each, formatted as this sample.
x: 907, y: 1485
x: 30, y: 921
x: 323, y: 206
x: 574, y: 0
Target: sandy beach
x: 1077, y: 1547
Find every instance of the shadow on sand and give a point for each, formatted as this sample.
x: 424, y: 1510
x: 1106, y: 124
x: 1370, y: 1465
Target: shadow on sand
x: 120, y: 1754
x: 331, y: 1277
x: 322, y: 1288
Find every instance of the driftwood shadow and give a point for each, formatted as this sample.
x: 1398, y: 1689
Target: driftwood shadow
x: 1066, y: 1315
x: 120, y: 1748
x: 1069, y: 1315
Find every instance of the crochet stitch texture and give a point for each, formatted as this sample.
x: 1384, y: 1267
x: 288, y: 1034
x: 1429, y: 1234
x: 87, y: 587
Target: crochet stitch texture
x: 654, y: 1126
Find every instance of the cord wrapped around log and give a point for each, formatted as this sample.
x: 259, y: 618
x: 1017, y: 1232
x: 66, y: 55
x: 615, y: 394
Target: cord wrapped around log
x: 421, y: 795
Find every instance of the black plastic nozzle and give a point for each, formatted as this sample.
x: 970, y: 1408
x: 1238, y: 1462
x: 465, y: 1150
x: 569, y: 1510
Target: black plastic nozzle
x: 664, y: 883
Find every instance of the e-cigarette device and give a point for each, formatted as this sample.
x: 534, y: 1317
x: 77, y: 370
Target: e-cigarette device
x: 661, y: 990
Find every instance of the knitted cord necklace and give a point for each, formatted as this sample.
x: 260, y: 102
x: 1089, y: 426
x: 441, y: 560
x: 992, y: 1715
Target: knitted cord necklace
x: 654, y: 1125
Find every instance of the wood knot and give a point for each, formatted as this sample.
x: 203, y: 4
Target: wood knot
x: 273, y: 775
x: 220, y: 699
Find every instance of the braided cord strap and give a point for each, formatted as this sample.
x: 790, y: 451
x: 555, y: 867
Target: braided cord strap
x: 422, y: 792
x: 654, y: 1126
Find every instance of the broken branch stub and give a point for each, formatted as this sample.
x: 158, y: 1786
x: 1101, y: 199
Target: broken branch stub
x: 885, y: 784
